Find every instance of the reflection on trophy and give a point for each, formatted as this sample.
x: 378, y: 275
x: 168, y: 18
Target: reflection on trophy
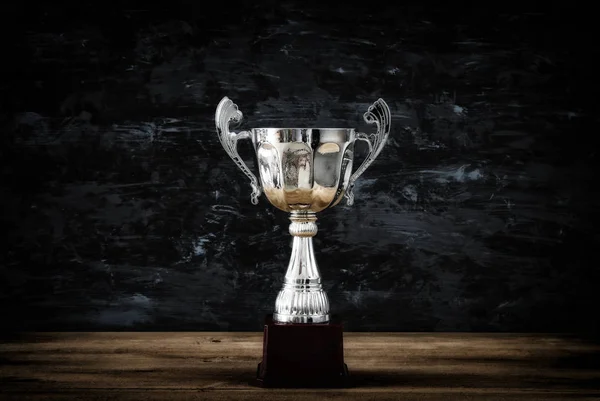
x: 303, y: 171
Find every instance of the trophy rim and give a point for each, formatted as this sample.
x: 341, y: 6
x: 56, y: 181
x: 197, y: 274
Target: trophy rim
x: 305, y: 128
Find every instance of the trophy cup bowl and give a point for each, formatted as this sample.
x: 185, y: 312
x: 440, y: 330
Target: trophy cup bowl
x: 303, y: 171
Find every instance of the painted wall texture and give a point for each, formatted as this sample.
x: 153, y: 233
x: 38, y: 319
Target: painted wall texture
x: 122, y: 211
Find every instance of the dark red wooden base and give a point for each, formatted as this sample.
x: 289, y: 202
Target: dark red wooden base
x: 302, y: 355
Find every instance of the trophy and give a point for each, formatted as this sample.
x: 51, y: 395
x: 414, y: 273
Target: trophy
x: 303, y: 171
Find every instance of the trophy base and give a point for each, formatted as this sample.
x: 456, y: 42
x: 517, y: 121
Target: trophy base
x: 302, y: 355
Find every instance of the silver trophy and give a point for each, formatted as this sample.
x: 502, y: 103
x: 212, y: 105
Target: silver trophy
x: 303, y: 171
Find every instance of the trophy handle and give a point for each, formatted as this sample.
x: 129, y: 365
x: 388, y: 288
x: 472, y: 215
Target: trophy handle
x: 227, y: 111
x: 378, y: 113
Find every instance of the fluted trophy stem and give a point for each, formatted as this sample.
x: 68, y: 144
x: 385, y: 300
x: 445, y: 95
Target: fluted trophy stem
x: 302, y: 299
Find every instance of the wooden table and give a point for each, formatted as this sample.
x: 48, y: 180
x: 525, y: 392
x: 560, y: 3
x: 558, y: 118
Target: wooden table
x: 218, y: 366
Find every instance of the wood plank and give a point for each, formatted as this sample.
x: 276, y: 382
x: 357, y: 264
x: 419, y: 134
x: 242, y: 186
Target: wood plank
x: 202, y: 365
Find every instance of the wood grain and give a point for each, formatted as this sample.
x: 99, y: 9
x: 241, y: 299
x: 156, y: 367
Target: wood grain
x: 215, y: 366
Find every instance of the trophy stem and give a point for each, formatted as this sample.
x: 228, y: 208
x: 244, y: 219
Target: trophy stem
x: 302, y: 299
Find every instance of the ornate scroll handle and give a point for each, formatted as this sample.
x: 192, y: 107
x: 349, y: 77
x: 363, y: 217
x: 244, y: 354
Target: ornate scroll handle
x: 227, y: 111
x: 378, y: 113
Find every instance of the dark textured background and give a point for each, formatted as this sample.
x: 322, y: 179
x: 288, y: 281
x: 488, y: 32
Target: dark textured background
x: 122, y: 211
